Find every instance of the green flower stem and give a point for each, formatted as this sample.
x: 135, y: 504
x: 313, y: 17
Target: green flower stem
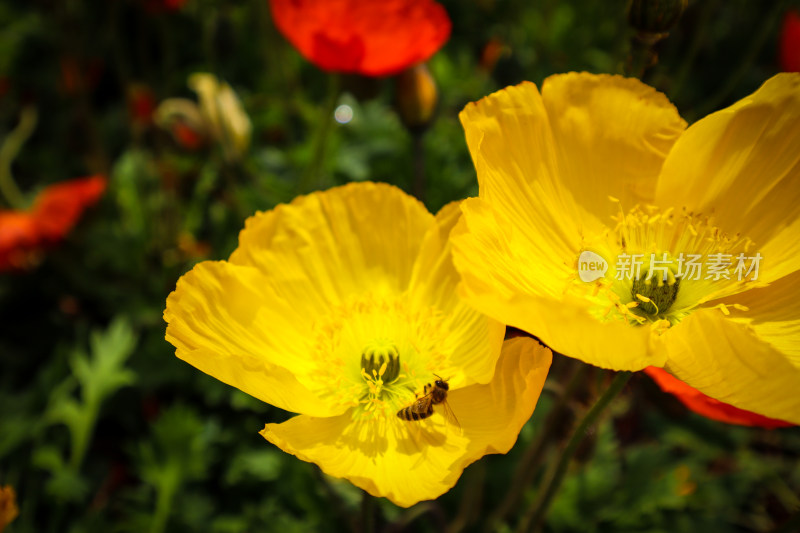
x: 311, y: 178
x: 167, y: 488
x: 641, y: 57
x: 766, y: 29
x: 707, y: 10
x: 534, y: 454
x: 418, y: 187
x: 474, y: 480
x: 11, y: 146
x: 536, y: 513
x: 367, y: 513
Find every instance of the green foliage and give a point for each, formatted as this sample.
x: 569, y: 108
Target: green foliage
x: 124, y: 437
x: 97, y: 377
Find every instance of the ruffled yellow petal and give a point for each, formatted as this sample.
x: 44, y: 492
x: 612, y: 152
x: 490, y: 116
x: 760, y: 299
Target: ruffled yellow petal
x: 508, y: 135
x: 324, y: 247
x: 611, y: 137
x: 547, y: 165
x: 408, y: 462
x: 773, y: 314
x: 473, y: 339
x: 742, y: 166
x: 584, y: 138
x: 220, y: 318
x: 524, y: 288
x: 492, y: 415
x: 729, y: 362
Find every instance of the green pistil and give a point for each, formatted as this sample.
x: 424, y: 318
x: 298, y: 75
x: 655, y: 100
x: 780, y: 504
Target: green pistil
x: 378, y: 354
x: 658, y: 295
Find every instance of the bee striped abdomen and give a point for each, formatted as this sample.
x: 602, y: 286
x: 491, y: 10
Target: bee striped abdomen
x: 419, y: 410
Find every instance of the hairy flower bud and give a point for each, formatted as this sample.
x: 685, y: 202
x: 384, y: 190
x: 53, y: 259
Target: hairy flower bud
x: 417, y: 97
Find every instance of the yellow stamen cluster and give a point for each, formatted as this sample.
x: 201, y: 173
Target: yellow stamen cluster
x: 374, y: 353
x: 661, y: 286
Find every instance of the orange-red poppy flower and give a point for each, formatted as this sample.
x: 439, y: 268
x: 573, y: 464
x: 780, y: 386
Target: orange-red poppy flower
x: 708, y: 406
x: 24, y: 234
x: 790, y: 42
x: 370, y: 38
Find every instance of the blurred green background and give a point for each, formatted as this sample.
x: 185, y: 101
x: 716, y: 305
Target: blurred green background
x: 103, y: 429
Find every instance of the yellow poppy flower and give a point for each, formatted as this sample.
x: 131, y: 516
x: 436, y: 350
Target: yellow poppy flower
x: 341, y: 306
x: 620, y: 237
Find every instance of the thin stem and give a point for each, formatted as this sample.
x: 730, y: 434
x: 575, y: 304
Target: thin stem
x: 709, y: 7
x: 536, y: 513
x: 766, y: 29
x: 367, y: 513
x: 641, y: 56
x: 471, y: 500
x: 167, y: 488
x: 418, y: 188
x: 534, y: 454
x: 83, y: 433
x: 11, y: 146
x: 311, y: 178
x: 791, y: 524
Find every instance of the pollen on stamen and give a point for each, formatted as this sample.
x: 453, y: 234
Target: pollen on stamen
x: 725, y: 308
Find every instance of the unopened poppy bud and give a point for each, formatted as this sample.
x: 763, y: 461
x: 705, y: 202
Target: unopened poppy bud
x: 417, y: 97
x: 224, y: 114
x: 8, y: 506
x: 655, y: 16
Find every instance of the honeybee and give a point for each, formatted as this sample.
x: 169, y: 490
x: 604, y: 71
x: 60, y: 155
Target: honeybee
x: 422, y: 407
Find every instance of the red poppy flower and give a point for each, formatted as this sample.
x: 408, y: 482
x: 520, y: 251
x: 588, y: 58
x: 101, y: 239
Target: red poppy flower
x: 370, y: 38
x: 790, y: 42
x: 24, y: 234
x: 708, y: 406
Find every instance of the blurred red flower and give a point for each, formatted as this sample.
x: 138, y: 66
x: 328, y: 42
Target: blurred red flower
x: 25, y: 234
x: 363, y: 37
x: 160, y: 6
x: 790, y: 42
x: 707, y: 406
x: 141, y: 104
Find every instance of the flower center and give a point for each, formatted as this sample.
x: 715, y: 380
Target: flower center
x: 662, y: 265
x: 374, y: 353
x: 381, y: 359
x: 656, y: 293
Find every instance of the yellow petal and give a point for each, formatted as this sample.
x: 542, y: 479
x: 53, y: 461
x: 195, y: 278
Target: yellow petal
x: 508, y: 135
x: 492, y: 415
x: 523, y: 287
x: 773, y: 313
x: 742, y: 165
x: 729, y: 362
x: 408, y: 462
x: 224, y: 320
x: 611, y: 136
x: 327, y: 246
x: 473, y: 339
x: 584, y: 138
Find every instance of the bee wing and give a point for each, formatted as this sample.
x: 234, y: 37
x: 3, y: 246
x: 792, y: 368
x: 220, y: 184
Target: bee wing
x: 449, y: 415
x: 421, y: 405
